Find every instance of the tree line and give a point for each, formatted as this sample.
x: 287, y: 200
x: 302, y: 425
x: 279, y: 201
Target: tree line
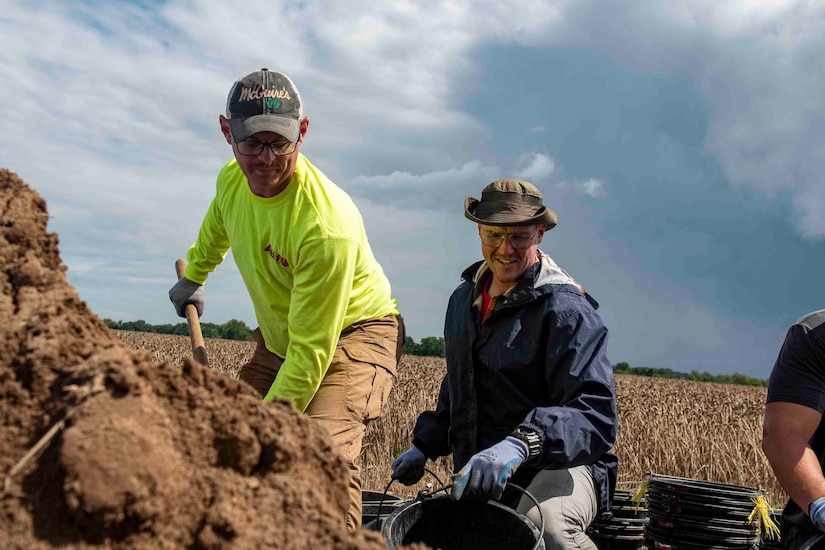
x: 234, y: 329
x: 230, y: 330
x: 428, y: 346
x: 694, y: 375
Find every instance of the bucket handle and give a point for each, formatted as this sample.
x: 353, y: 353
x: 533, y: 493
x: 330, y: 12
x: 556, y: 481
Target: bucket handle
x: 526, y: 493
x: 387, y: 488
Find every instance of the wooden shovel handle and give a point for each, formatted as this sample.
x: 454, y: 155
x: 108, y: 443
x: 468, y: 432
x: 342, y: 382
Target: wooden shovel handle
x: 195, y: 335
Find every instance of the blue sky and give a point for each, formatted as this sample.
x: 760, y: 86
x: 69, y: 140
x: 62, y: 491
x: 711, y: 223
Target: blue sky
x: 681, y: 144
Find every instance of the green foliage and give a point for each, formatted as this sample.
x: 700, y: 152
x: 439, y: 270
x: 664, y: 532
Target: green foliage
x: 236, y: 330
x: 230, y: 330
x: 430, y: 346
x: 736, y: 378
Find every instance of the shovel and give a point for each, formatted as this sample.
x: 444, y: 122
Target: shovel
x: 198, y: 349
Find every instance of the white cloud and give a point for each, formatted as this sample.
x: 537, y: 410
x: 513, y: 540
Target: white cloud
x: 811, y: 202
x: 781, y: 22
x: 442, y: 190
x: 535, y: 167
x: 592, y: 187
x: 540, y: 168
x: 146, y: 87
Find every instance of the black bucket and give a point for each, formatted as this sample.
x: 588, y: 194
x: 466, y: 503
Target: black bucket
x: 440, y: 522
x: 376, y: 506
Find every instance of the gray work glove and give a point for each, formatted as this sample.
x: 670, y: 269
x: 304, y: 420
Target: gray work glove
x: 487, y: 472
x: 186, y: 292
x: 409, y: 467
x: 816, y: 511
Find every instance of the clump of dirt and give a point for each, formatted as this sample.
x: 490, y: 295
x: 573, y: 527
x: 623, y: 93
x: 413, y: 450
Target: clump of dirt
x: 103, y: 448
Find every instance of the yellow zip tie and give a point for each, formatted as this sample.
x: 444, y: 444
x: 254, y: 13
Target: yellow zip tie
x: 767, y: 527
x: 641, y: 491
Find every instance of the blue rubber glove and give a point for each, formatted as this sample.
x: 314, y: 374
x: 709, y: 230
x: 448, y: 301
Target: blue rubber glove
x: 186, y: 292
x: 817, y: 512
x: 487, y: 472
x: 409, y: 467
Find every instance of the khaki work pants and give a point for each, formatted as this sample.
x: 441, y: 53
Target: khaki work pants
x: 568, y: 502
x: 352, y: 393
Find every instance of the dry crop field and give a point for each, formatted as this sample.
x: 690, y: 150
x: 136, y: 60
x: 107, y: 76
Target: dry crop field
x: 689, y: 429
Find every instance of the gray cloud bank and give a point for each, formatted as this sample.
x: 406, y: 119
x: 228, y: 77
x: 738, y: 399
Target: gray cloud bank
x: 111, y: 114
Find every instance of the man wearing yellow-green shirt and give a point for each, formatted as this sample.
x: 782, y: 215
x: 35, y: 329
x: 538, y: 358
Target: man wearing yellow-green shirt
x: 330, y: 335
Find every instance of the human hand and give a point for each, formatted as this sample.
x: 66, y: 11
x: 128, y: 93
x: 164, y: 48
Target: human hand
x: 487, y: 472
x: 409, y: 467
x: 817, y: 513
x: 186, y: 292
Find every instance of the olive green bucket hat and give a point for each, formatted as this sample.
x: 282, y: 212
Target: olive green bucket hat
x: 509, y: 202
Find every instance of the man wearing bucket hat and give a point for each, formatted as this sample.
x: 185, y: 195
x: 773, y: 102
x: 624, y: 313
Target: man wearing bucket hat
x: 528, y: 396
x: 330, y: 335
x: 793, y: 432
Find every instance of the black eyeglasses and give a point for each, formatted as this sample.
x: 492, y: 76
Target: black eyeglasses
x: 252, y: 148
x: 519, y: 241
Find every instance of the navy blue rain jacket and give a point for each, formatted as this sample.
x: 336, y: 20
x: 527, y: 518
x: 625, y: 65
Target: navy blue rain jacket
x: 539, y: 361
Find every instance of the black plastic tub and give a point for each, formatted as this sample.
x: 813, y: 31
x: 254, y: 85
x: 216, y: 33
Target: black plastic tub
x: 440, y: 522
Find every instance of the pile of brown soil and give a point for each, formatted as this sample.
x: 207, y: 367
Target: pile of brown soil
x: 102, y: 448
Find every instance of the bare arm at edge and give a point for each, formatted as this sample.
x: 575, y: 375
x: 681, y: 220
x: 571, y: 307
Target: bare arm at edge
x: 787, y: 429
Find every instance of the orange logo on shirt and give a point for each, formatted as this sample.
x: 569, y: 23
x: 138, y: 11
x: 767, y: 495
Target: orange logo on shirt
x: 275, y: 256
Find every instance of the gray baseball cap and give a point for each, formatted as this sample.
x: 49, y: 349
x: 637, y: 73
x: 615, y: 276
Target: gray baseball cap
x: 264, y: 101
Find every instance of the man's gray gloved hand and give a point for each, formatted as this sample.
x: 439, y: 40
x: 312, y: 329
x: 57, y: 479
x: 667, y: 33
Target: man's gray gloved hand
x: 409, y: 467
x: 186, y: 292
x: 487, y: 472
x: 817, y: 513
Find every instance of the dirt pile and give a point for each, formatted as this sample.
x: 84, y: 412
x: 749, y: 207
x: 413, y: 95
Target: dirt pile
x: 103, y: 448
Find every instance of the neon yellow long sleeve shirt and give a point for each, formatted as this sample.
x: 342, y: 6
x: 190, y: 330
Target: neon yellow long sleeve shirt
x: 306, y: 262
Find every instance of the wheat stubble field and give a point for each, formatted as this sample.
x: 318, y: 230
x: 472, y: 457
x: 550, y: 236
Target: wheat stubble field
x: 689, y: 429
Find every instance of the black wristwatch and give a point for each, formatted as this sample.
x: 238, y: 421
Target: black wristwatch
x: 531, y: 438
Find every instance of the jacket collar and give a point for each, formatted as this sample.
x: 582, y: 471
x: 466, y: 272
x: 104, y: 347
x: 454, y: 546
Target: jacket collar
x: 535, y: 281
